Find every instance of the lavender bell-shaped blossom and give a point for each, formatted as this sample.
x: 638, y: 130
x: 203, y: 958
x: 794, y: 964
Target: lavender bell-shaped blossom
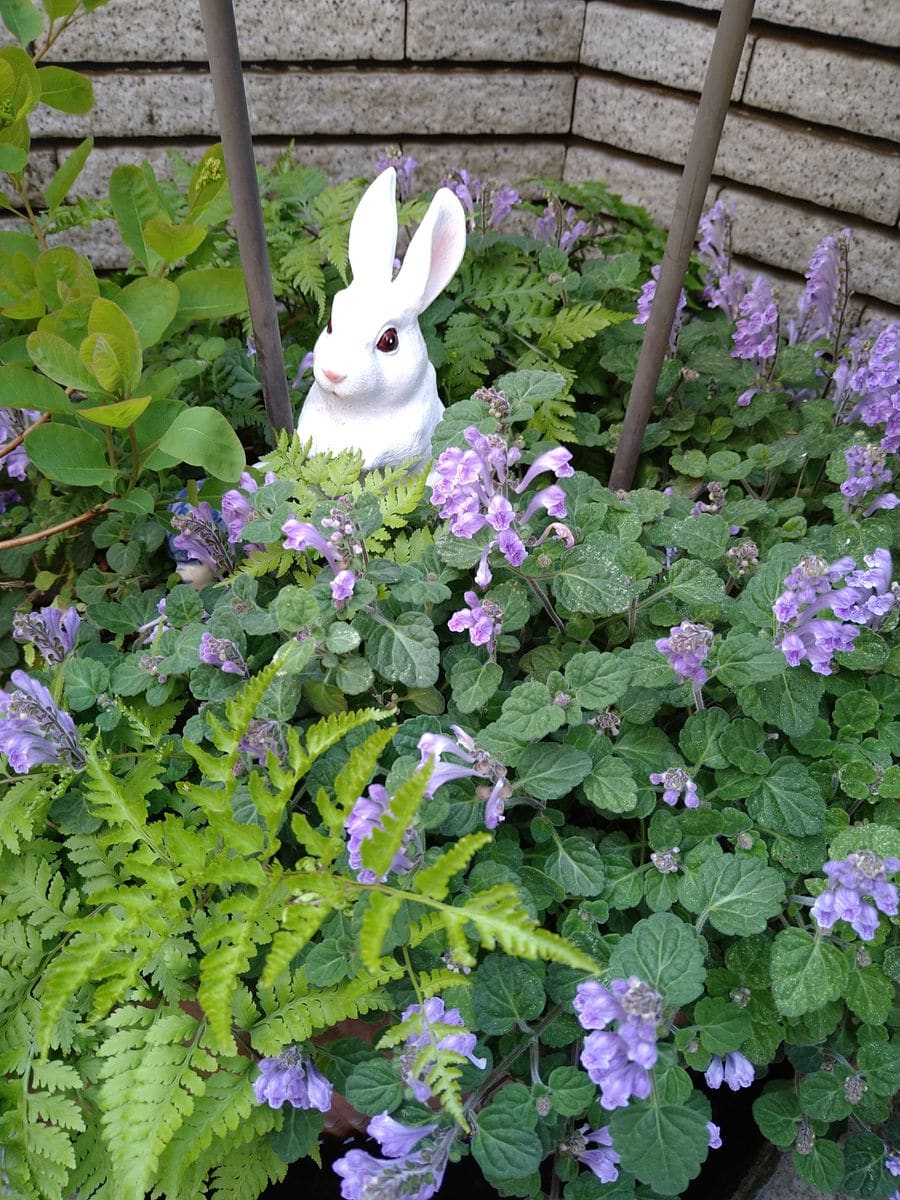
x: 53, y: 631
x: 153, y: 629
x: 235, y: 505
x: 735, y: 1070
x: 431, y: 1020
x: 13, y: 423
x: 645, y: 304
x: 300, y: 535
x: 365, y: 817
x: 200, y: 538
x: 263, y: 738
x: 8, y: 497
x: 561, y: 226
x: 221, y: 653
x: 715, y: 1136
x: 35, y: 730
x: 756, y: 334
x: 503, y: 201
x: 724, y: 288
x: 482, y: 619
x: 867, y: 472
x: 686, y: 648
x: 892, y: 1164
x: 292, y: 1077
x: 875, y: 385
x: 405, y: 166
x: 821, y: 306
x: 412, y: 1173
x: 473, y: 762
x: 342, y: 587
x: 593, y: 1149
x: 619, y: 1061
x: 675, y: 781
x: 851, y: 879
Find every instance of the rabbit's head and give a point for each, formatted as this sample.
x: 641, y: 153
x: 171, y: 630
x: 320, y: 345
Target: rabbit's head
x: 372, y: 349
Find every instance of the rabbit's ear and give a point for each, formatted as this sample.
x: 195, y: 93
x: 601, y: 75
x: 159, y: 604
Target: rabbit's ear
x: 373, y: 231
x: 434, y: 253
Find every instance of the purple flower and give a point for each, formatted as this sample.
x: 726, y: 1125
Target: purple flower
x: 686, y: 647
x: 822, y: 303
x: 200, y: 538
x: 715, y: 1136
x: 152, y: 629
x: 404, y: 165
x: 756, y: 333
x: 263, y: 738
x: 416, y: 1174
x: 872, y: 380
x: 724, y: 288
x: 53, y: 631
x: 484, y: 204
x: 8, y: 497
x: 675, y: 781
x: 736, y: 1070
x: 481, y: 619
x: 473, y: 761
x: 365, y: 817
x: 866, y: 473
x: 396, y: 1140
x: 236, y: 507
x: 645, y: 303
x: 472, y: 489
x: 803, y: 634
x: 503, y: 201
x: 306, y: 363
x: 602, y: 1160
x: 561, y: 226
x: 292, y: 1077
x: 619, y: 1061
x: 433, y: 1028
x: 892, y: 1164
x: 851, y: 879
x: 35, y: 730
x: 221, y: 653
x: 13, y: 423
x: 342, y: 587
x: 303, y: 536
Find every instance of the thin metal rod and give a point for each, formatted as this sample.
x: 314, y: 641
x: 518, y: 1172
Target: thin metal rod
x: 237, y: 145
x: 714, y: 100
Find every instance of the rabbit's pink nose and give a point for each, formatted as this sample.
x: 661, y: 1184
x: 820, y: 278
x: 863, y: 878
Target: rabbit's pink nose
x: 333, y: 376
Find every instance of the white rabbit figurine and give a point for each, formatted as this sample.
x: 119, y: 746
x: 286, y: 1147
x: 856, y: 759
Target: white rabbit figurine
x: 375, y: 389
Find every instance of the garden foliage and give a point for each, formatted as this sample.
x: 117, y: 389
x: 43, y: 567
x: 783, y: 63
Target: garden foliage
x: 521, y: 813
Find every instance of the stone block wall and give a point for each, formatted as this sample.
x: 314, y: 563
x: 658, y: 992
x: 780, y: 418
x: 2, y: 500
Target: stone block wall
x: 521, y: 88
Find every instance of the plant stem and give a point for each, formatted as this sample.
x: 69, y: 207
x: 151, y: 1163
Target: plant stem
x: 27, y: 538
x: 17, y: 441
x: 545, y: 602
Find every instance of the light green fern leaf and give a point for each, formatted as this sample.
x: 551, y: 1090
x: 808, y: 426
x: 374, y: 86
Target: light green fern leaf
x: 501, y: 919
x: 300, y: 922
x: 301, y: 267
x: 350, y: 782
x: 246, y: 1172
x: 23, y: 807
x: 376, y: 921
x: 434, y: 880
x: 329, y: 731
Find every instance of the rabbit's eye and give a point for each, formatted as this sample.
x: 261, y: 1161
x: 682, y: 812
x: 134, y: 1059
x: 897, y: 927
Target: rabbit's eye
x: 328, y: 328
x: 388, y: 341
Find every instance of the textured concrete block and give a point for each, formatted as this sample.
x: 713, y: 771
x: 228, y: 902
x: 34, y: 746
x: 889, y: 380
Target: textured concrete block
x: 295, y: 103
x: 830, y: 87
x: 503, y: 30
x: 874, y: 21
x: 780, y: 157
x: 499, y: 162
x: 161, y: 31
x: 784, y: 235
x: 643, y: 44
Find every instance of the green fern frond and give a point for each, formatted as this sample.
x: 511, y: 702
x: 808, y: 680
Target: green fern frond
x: 329, y: 730
x: 23, y: 807
x: 501, y: 919
x: 376, y: 921
x: 300, y: 922
x: 98, y: 866
x: 434, y: 880
x: 34, y: 890
x: 246, y: 1172
x: 576, y: 323
x: 469, y: 350
x: 293, y: 1015
x: 350, y: 782
x: 409, y: 548
x: 152, y: 1071
x: 122, y: 803
x: 301, y: 267
x: 441, y: 1070
x: 433, y: 982
x: 381, y: 846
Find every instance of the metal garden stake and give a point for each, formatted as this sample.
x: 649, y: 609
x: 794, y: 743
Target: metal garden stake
x: 237, y: 144
x: 714, y: 100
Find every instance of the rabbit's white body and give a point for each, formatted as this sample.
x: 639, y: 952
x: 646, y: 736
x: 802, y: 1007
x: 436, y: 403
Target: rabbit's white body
x: 374, y: 388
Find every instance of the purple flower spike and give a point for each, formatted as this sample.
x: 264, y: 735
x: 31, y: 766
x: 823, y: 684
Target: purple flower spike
x: 861, y: 874
x: 821, y: 306
x: 36, y: 730
x: 686, y: 648
x: 405, y: 166
x: 474, y: 762
x: 675, y: 781
x: 292, y: 1077
x: 724, y: 288
x: 482, y: 619
x: 756, y: 334
x: 619, y: 1061
x: 602, y: 1160
x: 736, y: 1070
x: 221, y: 653
x: 263, y: 738
x: 365, y: 817
x: 645, y: 303
x: 53, y: 631
x: 868, y: 385
x: 415, y: 1175
x: 201, y: 538
x: 431, y: 1021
